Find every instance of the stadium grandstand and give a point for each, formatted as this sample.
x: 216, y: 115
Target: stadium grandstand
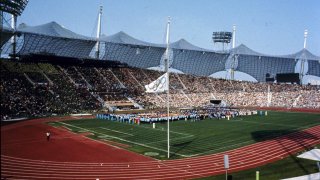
x: 125, y: 65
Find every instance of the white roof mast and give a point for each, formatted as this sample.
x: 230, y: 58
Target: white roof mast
x: 14, y: 37
x: 305, y: 39
x: 98, y: 33
x: 234, y: 37
x: 168, y: 38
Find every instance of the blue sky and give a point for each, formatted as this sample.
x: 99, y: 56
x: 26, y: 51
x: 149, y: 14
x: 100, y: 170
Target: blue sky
x: 267, y: 26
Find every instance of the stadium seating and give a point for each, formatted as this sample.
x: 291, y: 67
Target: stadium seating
x: 44, y: 89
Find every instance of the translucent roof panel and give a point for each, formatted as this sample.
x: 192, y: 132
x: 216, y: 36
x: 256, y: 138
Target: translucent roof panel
x: 136, y: 56
x: 52, y: 38
x: 259, y: 66
x: 198, y: 62
x: 6, y: 34
x: 57, y: 46
x: 314, y: 68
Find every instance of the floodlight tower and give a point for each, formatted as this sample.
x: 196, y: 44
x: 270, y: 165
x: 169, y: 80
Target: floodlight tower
x: 303, y: 57
x: 222, y: 37
x: 97, y: 53
x: 15, y: 8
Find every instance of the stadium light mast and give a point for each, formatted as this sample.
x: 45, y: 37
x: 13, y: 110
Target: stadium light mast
x: 98, y: 33
x: 166, y: 60
x: 222, y: 37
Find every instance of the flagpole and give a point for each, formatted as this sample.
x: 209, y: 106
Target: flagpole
x: 167, y: 71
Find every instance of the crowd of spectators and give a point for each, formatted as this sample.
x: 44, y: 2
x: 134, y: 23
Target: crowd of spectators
x: 188, y: 91
x: 31, y: 89
x: 29, y: 94
x: 19, y: 98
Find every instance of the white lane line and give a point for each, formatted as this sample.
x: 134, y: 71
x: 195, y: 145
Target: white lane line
x: 116, y: 131
x: 185, y: 134
x: 173, y: 139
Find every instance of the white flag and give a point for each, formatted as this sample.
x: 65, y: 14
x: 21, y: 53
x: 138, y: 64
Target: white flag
x: 159, y: 85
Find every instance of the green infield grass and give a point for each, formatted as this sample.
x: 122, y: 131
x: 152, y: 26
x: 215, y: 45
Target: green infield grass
x: 286, y: 168
x: 188, y: 138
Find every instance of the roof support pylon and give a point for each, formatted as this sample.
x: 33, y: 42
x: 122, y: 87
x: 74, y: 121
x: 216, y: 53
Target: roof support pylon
x: 305, y: 39
x: 234, y: 37
x: 98, y: 33
x: 14, y: 37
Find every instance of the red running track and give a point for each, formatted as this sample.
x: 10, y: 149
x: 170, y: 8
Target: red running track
x: 25, y: 154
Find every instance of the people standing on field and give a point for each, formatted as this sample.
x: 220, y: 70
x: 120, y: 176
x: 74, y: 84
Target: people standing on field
x: 48, y: 136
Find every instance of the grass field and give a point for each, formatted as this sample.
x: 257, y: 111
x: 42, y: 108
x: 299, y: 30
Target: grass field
x: 189, y: 139
x: 286, y: 168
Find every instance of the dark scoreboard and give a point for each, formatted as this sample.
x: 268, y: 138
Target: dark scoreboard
x: 288, y: 78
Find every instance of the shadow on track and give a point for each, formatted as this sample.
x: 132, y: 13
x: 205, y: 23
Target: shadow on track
x: 298, y: 138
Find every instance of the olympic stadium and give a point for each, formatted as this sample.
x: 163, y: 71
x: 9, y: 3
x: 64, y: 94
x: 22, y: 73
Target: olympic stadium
x: 233, y: 111
x: 52, y: 38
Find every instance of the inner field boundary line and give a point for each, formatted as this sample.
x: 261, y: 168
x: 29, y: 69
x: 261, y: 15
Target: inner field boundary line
x: 114, y: 137
x: 157, y: 129
x: 116, y: 131
x: 172, y: 139
x: 180, y: 133
x: 284, y: 125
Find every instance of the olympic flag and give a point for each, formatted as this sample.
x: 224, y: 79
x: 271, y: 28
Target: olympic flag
x: 159, y: 85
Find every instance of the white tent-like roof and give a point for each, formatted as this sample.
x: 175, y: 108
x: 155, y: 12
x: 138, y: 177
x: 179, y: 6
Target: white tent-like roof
x: 123, y: 38
x: 184, y: 44
x: 304, y: 52
x: 243, y: 49
x: 51, y: 29
x: 314, y: 154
